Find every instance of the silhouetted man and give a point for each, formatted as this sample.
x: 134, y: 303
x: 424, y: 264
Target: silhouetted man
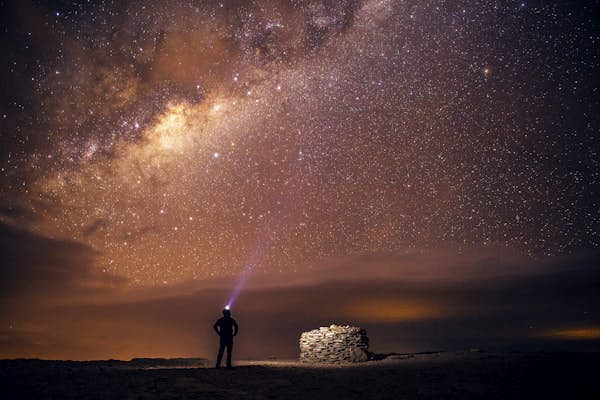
x: 226, y: 328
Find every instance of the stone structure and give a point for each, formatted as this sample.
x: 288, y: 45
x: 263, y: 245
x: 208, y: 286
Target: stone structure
x: 334, y: 344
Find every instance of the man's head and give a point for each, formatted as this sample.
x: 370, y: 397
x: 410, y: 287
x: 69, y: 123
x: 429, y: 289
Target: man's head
x: 226, y: 313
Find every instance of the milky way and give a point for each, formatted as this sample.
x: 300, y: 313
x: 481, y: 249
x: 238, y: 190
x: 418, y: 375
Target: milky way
x: 177, y: 138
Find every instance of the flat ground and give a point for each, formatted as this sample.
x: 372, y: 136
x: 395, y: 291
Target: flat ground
x: 467, y: 375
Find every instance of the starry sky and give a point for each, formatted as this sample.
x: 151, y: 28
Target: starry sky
x: 162, y: 143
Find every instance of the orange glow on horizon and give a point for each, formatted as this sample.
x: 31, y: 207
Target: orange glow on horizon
x: 393, y: 310
x: 575, y: 334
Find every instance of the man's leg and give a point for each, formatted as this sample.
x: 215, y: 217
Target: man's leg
x: 220, y: 356
x: 229, y: 349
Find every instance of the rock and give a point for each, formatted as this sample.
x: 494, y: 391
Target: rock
x: 334, y: 344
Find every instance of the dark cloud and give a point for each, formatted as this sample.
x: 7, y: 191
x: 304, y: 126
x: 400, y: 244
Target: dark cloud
x: 94, y: 227
x: 16, y: 212
x: 39, y: 267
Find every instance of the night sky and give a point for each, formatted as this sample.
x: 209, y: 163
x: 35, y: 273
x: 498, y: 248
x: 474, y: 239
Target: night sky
x: 157, y: 151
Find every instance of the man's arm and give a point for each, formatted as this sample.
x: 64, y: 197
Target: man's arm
x: 216, y: 328
x: 235, y: 328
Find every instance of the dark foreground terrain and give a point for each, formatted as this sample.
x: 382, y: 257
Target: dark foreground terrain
x: 420, y: 376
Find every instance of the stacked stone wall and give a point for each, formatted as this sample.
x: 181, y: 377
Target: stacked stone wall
x: 334, y: 344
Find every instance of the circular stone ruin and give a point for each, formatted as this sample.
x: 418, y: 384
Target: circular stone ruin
x: 334, y: 344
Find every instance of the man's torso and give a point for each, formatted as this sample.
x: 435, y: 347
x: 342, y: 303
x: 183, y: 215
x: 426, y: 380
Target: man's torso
x: 226, y: 327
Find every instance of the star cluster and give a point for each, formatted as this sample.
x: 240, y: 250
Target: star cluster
x: 176, y: 138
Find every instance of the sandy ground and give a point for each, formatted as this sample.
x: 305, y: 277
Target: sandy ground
x: 468, y: 375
